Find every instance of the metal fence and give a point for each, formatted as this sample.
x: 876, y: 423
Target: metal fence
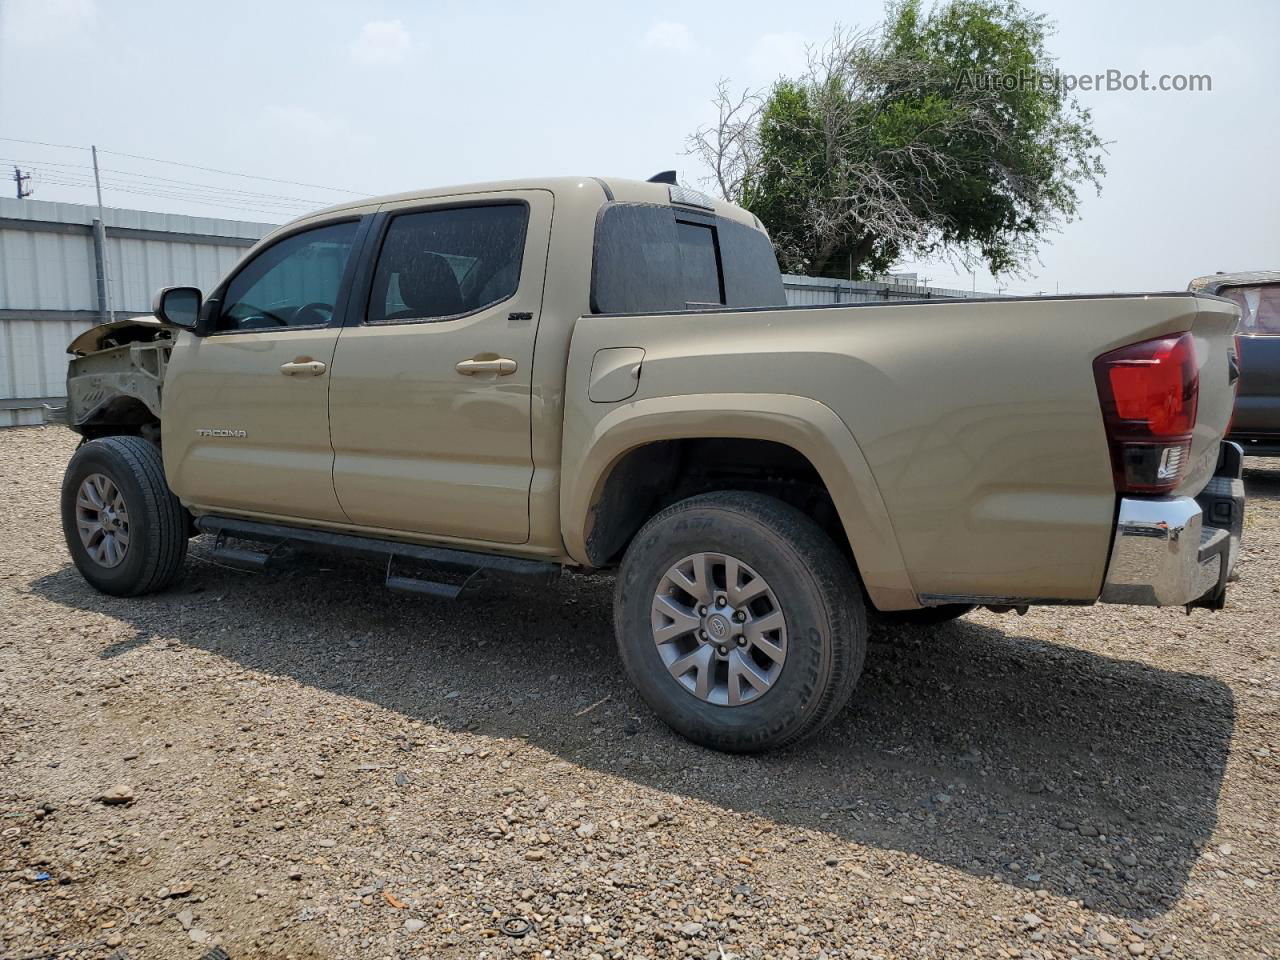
x: 49, y: 288
x: 815, y: 290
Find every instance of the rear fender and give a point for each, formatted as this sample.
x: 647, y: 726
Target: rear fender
x: 805, y: 425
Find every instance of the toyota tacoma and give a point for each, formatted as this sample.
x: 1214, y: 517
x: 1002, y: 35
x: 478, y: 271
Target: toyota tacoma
x: 501, y: 380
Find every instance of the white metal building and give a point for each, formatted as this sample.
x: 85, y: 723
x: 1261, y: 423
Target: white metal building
x: 49, y: 291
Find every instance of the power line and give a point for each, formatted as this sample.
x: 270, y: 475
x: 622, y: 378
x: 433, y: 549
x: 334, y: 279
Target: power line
x: 41, y: 143
x: 194, y: 192
x: 232, y: 173
x: 193, y: 166
x: 192, y: 189
x: 74, y: 169
x: 149, y: 193
x: 214, y: 202
x: 192, y: 198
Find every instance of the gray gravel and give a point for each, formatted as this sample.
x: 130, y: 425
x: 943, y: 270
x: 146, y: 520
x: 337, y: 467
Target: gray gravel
x: 300, y: 765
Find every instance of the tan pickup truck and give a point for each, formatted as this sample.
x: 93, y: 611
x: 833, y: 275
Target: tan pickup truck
x: 500, y: 380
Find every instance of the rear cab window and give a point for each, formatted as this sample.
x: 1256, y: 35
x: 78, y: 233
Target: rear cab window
x: 651, y: 258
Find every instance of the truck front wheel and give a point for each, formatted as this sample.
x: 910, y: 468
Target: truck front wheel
x: 125, y: 530
x: 739, y: 621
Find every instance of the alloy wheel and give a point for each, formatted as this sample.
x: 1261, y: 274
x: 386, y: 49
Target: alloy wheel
x: 719, y: 629
x: 102, y: 520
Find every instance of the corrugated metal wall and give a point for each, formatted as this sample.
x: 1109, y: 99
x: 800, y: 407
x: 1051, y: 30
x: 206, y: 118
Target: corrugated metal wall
x: 34, y: 367
x: 48, y: 288
x: 44, y: 268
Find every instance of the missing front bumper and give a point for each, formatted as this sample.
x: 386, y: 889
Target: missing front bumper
x: 1179, y: 551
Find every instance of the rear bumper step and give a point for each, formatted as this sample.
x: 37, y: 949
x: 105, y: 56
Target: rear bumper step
x: 1179, y: 551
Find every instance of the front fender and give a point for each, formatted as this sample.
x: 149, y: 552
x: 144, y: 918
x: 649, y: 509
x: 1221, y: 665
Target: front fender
x: 593, y: 448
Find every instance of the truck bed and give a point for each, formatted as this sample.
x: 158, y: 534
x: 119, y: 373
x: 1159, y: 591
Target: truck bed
x: 978, y: 422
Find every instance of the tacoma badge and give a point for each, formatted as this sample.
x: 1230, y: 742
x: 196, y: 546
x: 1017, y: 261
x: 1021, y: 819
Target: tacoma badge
x: 206, y: 432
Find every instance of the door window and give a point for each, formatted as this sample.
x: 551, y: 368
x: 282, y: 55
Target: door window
x: 293, y: 283
x: 444, y: 263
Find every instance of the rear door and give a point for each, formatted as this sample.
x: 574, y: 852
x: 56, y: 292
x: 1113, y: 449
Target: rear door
x: 432, y: 378
x: 246, y: 420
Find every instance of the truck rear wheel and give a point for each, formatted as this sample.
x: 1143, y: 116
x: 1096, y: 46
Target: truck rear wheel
x: 739, y: 621
x: 126, y: 531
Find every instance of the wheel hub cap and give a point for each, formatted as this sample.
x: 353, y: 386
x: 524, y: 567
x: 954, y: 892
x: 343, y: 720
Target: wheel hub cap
x: 719, y: 629
x: 102, y: 520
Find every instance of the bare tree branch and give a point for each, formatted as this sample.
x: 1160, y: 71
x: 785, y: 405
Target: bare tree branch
x: 730, y: 147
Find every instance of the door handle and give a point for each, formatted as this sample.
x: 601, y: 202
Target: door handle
x: 303, y: 368
x: 499, y: 365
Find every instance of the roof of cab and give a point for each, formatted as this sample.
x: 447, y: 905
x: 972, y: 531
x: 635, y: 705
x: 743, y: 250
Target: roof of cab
x: 621, y: 189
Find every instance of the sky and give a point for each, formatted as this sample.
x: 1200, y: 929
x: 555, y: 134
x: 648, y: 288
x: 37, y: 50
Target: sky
x: 380, y: 97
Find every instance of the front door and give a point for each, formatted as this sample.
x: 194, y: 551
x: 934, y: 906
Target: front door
x: 431, y: 387
x: 248, y: 428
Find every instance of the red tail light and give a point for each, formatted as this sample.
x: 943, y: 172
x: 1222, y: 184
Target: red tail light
x: 1148, y: 393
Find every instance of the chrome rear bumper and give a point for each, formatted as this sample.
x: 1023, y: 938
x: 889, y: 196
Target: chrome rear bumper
x: 1179, y: 551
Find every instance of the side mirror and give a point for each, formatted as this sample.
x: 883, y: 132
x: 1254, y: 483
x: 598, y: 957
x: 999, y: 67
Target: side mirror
x: 177, y: 307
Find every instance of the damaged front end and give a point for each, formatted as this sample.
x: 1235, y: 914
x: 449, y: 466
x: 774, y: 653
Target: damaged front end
x: 116, y: 377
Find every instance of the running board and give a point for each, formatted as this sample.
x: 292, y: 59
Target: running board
x: 479, y: 567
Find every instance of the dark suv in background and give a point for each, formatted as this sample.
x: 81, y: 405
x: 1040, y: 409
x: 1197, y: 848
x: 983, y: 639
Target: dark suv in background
x: 1256, y: 426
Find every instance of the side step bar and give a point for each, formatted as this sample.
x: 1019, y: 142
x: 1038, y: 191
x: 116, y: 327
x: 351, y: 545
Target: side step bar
x: 237, y: 556
x: 479, y: 567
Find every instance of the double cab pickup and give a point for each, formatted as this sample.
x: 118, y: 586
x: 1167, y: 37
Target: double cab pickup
x: 502, y: 380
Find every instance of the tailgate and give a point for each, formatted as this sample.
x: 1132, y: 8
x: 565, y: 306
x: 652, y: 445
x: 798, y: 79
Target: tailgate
x: 1214, y: 329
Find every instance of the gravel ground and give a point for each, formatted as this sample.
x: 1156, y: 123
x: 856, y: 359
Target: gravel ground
x: 304, y: 765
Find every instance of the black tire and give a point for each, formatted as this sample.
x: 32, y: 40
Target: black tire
x: 158, y: 524
x: 925, y: 616
x: 817, y: 590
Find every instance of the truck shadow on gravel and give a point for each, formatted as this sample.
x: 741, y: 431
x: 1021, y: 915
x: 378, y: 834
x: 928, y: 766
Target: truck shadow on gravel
x: 970, y: 746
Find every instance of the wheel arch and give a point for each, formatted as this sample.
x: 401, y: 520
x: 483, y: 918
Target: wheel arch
x: 635, y: 441
x: 119, y: 415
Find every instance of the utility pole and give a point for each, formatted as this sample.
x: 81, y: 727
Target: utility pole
x: 100, y: 243
x: 23, y: 180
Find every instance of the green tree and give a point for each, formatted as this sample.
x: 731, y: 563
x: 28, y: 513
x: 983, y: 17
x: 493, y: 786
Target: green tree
x: 944, y: 132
